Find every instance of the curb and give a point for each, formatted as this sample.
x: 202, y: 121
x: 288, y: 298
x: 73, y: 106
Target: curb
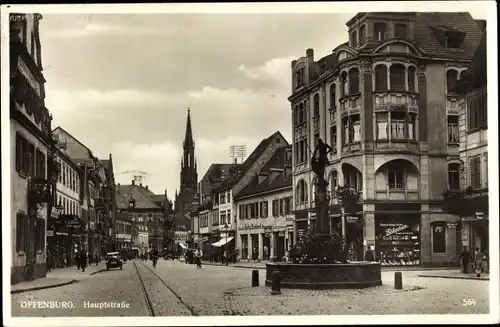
x: 455, y: 277
x: 98, y: 271
x: 43, y: 287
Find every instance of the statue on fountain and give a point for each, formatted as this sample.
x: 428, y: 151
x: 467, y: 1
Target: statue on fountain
x: 319, y: 161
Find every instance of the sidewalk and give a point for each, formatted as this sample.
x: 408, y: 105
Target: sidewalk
x: 56, y: 278
x: 456, y: 274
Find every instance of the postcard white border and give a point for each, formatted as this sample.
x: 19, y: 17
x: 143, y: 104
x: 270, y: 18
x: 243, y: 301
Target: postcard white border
x: 301, y: 8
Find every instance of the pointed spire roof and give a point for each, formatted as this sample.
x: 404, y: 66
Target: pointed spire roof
x: 188, y: 139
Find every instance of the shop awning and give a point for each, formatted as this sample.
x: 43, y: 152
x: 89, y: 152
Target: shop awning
x: 182, y: 245
x: 222, y: 241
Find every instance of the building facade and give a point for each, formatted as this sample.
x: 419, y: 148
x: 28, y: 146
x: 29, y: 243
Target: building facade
x: 265, y: 219
x: 123, y: 228
x: 32, y: 172
x: 383, y: 101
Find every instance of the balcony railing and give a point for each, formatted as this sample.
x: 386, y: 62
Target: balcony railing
x: 350, y: 104
x: 390, y: 101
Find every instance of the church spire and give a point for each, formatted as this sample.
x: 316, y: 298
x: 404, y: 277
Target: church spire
x: 188, y: 139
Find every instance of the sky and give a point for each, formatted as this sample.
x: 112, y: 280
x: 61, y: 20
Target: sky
x: 122, y: 83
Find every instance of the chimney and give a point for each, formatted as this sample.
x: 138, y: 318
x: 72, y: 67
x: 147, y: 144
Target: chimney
x: 310, y: 53
x: 133, y: 182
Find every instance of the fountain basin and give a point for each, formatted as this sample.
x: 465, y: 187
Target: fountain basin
x: 352, y: 275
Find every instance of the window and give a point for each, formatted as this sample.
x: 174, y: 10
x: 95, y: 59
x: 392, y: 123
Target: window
x: 316, y: 137
x: 64, y: 174
x: 334, y: 182
x: 345, y: 131
x: 316, y: 105
x: 301, y: 192
x: 351, y: 179
x: 275, y: 208
x: 451, y: 79
x: 381, y: 78
x: 222, y: 217
x: 379, y: 31
x: 475, y: 172
x: 362, y: 34
x: 477, y: 112
x: 454, y: 40
x: 299, y: 77
x: 355, y: 128
x: 31, y: 160
x: 288, y: 205
x: 353, y: 81
x: 395, y: 179
x: 412, y: 123
x: 397, y: 77
x: 296, y: 115
x: 302, y: 116
x: 486, y: 169
x: 332, y: 96
x: 150, y: 218
x: 398, y: 125
x: 454, y: 176
x: 40, y: 164
x: 263, y: 209
x: 411, y: 78
x: 333, y: 138
x: 382, y: 126
x: 343, y: 80
x: 241, y: 211
x: 439, y: 237
x: 354, y: 39
x: 453, y: 129
x: 400, y: 31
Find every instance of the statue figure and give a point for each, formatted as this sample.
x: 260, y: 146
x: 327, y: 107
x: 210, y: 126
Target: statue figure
x: 319, y: 161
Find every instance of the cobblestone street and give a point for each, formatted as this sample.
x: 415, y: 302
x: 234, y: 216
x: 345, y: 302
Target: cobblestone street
x: 220, y: 290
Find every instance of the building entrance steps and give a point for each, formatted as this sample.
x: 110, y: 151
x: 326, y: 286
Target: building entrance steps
x: 57, y: 277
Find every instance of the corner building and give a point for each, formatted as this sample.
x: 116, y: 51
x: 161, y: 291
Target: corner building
x: 384, y: 102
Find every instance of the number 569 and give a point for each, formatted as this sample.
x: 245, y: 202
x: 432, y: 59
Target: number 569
x: 468, y: 302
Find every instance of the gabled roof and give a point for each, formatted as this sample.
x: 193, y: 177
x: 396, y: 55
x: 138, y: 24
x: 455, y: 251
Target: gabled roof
x: 476, y: 76
x: 142, y: 199
x: 217, y: 171
x: 67, y: 133
x: 254, y: 156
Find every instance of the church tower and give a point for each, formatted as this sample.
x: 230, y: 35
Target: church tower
x: 188, y: 175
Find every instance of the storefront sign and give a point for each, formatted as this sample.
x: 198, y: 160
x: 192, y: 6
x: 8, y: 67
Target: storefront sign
x: 394, y: 230
x: 352, y: 219
x: 397, y: 243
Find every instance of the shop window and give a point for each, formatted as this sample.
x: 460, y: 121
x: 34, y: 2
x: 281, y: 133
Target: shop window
x: 332, y: 96
x: 353, y: 81
x: 454, y: 176
x: 395, y: 179
x: 316, y: 105
x: 397, y: 77
x: 451, y: 79
x: 411, y: 78
x: 400, y: 31
x: 380, y: 31
x: 438, y: 237
x: 382, y: 126
x: 453, y: 133
x: 362, y: 34
x: 398, y: 242
x: 475, y: 172
x: 398, y: 125
x: 477, y: 112
x: 343, y: 80
x: 381, y: 78
x: 333, y: 138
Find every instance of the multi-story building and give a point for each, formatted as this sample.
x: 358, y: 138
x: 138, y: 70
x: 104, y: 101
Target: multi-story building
x: 68, y: 200
x: 123, y: 228
x: 139, y: 239
x: 182, y: 227
x: 225, y: 220
x: 140, y: 203
x: 383, y: 101
x: 472, y: 170
x: 265, y: 219
x: 31, y: 149
x: 109, y: 192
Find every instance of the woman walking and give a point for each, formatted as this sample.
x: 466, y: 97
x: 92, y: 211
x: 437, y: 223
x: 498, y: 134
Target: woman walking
x: 198, y: 254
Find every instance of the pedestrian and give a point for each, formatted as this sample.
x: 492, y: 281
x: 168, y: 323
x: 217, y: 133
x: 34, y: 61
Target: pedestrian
x: 478, y: 262
x: 266, y: 252
x: 49, y: 260
x: 77, y: 260
x: 97, y: 259
x: 465, y: 258
x: 198, y: 255
x: 211, y: 255
x: 83, y: 260
x: 369, y: 256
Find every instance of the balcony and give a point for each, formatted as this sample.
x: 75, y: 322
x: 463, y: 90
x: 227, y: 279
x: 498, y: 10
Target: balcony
x: 350, y: 104
x: 396, y: 101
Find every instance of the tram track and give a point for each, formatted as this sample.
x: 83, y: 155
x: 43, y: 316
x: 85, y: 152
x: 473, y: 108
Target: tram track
x: 149, y: 300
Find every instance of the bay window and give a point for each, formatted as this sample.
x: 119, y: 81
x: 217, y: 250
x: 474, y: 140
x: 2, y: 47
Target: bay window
x: 398, y: 125
x: 381, y: 78
x: 382, y: 126
x: 356, y: 128
x: 411, y: 78
x: 353, y: 81
x: 345, y: 131
x: 397, y: 77
x: 343, y: 80
x: 453, y: 129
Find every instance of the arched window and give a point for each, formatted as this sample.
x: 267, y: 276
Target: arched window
x: 451, y: 79
x: 316, y: 105
x: 353, y: 81
x: 334, y: 182
x: 411, y: 78
x: 332, y: 95
x: 454, y: 176
x: 381, y: 78
x: 343, y: 80
x: 362, y: 34
x: 301, y: 113
x: 438, y: 237
x: 397, y: 77
x: 301, y: 192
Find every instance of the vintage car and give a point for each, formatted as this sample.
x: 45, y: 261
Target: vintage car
x: 113, y: 260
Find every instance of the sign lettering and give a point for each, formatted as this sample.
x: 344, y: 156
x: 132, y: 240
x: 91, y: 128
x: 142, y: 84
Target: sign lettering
x: 395, y: 230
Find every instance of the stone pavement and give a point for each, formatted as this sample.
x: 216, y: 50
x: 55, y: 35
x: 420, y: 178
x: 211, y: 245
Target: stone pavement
x: 455, y: 274
x: 56, y: 278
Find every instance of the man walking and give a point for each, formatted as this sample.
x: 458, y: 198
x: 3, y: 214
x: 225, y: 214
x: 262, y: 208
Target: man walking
x: 77, y: 260
x: 478, y: 262
x: 83, y: 260
x: 465, y: 258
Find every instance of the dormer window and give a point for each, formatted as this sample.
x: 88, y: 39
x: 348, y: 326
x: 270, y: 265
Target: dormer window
x: 131, y: 203
x: 454, y: 40
x: 400, y: 31
x: 379, y: 31
x: 354, y: 39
